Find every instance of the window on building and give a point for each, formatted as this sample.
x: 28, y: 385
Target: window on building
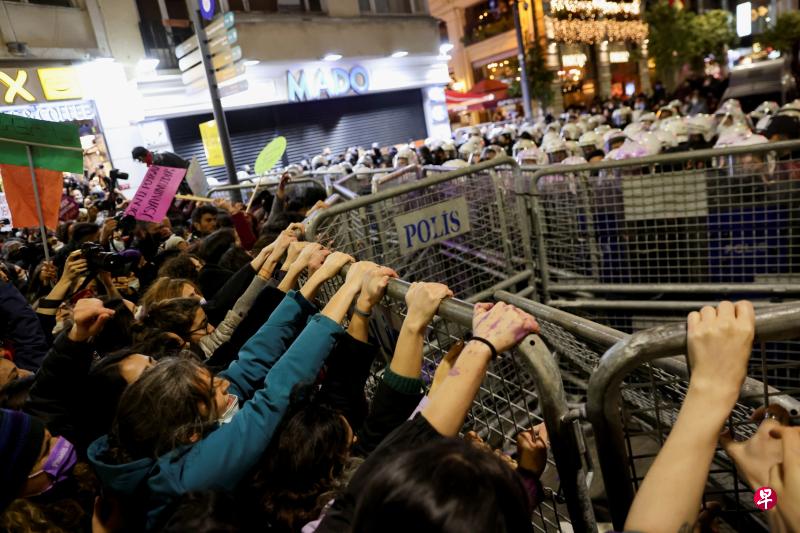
x: 59, y: 3
x: 276, y: 6
x: 487, y: 19
x: 401, y: 7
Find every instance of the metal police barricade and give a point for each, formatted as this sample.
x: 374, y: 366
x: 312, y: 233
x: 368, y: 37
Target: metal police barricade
x: 452, y: 228
x: 519, y: 391
x: 268, y: 182
x: 637, y: 389
x: 706, y: 221
x: 395, y: 177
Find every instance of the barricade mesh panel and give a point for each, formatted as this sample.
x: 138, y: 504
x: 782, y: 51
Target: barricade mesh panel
x: 734, y: 220
x: 507, y: 401
x: 468, y: 263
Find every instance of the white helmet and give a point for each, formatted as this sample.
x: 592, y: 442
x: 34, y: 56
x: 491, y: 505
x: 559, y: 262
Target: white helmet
x: 602, y: 129
x: 677, y: 128
x: 556, y: 150
x: 600, y: 119
x: 449, y: 148
x: 590, y: 141
x: 531, y: 156
x: 647, y: 118
x: 405, y: 156
x: 549, y: 137
x: 622, y: 116
x: 522, y: 144
x: 470, y: 148
x: 729, y: 120
x: 612, y: 139
x: 701, y: 124
x: 631, y: 149
x: 511, y: 131
x: 570, y: 132
x: 633, y: 128
x: 318, y: 162
x: 791, y: 108
x: 365, y: 160
x: 554, y: 126
x: 294, y: 170
x: 764, y: 109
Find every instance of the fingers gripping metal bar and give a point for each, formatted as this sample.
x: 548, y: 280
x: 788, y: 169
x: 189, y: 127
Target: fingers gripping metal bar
x: 565, y: 449
x: 604, y: 394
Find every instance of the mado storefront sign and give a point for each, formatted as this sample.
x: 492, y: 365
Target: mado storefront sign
x: 316, y: 84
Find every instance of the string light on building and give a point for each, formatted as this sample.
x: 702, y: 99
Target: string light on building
x: 596, y: 31
x: 595, y: 7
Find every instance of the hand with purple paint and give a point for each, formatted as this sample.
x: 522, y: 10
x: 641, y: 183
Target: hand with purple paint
x: 423, y: 300
x: 502, y: 325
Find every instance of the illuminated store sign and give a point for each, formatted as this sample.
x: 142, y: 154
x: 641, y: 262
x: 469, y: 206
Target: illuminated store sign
x: 303, y: 85
x: 25, y: 86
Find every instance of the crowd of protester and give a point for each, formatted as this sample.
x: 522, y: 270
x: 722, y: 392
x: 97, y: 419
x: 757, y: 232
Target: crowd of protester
x: 189, y: 376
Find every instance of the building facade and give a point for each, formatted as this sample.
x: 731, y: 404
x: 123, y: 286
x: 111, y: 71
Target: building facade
x: 322, y: 73
x: 595, y: 48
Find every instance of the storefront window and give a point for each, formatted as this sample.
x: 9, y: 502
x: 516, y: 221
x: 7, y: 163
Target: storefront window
x: 505, y: 70
x: 399, y: 7
x: 487, y: 19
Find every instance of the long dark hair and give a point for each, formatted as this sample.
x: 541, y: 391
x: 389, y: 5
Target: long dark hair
x: 447, y: 485
x: 303, y: 462
x: 215, y: 245
x: 175, y: 315
x: 116, y: 333
x: 163, y: 409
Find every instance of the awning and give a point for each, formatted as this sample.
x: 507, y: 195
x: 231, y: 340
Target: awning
x: 470, y: 101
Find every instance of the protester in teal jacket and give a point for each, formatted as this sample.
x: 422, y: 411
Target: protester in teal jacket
x: 136, y: 460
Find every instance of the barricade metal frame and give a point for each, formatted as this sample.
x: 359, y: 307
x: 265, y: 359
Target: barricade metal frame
x: 363, y: 227
x: 644, y: 377
x: 583, y: 195
x: 514, y: 383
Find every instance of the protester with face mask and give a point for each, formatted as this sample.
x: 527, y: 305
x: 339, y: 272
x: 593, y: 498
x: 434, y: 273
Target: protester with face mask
x: 39, y: 479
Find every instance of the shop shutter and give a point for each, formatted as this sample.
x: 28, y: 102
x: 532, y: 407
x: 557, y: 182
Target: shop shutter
x: 309, y: 127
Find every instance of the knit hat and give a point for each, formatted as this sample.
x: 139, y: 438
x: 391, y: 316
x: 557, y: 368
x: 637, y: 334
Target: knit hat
x: 21, y: 437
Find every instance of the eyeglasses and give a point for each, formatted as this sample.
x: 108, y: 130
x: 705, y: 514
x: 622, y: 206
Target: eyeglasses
x: 202, y: 328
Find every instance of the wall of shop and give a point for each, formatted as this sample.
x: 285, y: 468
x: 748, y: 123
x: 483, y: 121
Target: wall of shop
x: 49, y: 32
x: 309, y: 127
x: 287, y: 38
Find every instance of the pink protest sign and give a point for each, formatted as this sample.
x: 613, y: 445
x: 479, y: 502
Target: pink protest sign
x: 155, y: 193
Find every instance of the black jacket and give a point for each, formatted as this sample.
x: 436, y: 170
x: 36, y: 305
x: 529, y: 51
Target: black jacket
x: 20, y: 327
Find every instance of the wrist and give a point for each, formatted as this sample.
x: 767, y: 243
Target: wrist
x: 415, y: 325
x: 75, y: 336
x: 364, y: 304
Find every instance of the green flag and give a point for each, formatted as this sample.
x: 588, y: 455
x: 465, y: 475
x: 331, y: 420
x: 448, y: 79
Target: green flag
x: 270, y: 155
x: 63, y: 151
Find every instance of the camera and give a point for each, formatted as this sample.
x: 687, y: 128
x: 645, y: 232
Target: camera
x: 116, y: 174
x: 97, y: 258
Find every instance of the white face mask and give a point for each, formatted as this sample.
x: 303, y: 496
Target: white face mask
x: 230, y: 412
x: 118, y: 244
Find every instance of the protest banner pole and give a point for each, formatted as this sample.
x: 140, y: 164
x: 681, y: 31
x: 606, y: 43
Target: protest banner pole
x: 38, y: 202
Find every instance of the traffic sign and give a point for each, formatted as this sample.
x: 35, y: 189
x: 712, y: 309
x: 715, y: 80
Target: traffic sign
x: 195, y: 76
x: 221, y: 25
x: 191, y: 44
x: 207, y: 8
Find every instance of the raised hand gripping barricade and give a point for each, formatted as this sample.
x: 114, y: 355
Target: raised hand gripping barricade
x: 458, y: 228
x: 520, y: 390
x: 705, y: 221
x: 636, y: 392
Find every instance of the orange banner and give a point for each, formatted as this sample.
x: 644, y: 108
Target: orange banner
x: 19, y: 193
